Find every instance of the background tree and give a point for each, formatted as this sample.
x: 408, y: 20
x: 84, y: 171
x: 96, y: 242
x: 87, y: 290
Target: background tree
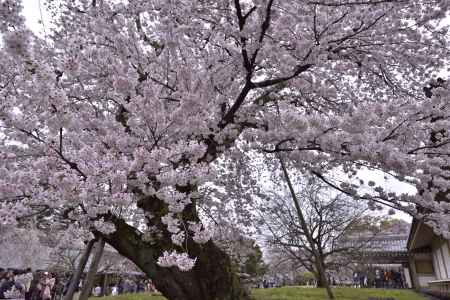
x: 308, y: 222
x: 284, y: 269
x: 243, y: 250
x: 23, y: 248
x: 395, y: 226
x: 254, y: 264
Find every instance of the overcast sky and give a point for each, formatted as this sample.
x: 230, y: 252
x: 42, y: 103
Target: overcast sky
x: 32, y: 12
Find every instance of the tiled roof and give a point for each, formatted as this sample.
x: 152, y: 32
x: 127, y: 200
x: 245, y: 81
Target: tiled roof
x: 388, y: 244
x: 385, y: 243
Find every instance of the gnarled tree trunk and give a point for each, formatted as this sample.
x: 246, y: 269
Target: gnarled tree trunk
x: 213, y: 276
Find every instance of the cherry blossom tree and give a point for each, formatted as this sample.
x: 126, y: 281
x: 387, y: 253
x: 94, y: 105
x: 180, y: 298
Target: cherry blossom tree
x: 116, y: 119
x: 23, y: 249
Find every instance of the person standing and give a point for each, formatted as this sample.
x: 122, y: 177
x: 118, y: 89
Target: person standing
x: 47, y: 283
x: 9, y: 284
x: 2, y: 276
x: 34, y: 291
x: 6, y: 284
x: 378, y: 278
x: 356, y: 280
x: 114, y: 290
x: 120, y: 286
x: 24, y: 281
x: 97, y: 291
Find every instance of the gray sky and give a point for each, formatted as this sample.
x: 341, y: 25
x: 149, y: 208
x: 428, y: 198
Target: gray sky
x: 32, y: 12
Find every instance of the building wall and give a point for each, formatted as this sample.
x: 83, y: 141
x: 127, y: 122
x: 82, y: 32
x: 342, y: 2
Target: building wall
x: 441, y: 258
x: 440, y: 287
x: 407, y: 273
x: 430, y: 265
x: 446, y: 254
x: 421, y: 276
x: 424, y: 280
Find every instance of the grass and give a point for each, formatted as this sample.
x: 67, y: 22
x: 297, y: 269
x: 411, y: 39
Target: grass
x: 294, y: 293
x: 299, y: 293
x: 141, y: 296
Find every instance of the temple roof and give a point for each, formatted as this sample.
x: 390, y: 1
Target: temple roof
x: 380, y: 243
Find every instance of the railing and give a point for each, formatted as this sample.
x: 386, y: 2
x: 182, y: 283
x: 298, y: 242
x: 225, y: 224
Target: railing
x: 439, y: 288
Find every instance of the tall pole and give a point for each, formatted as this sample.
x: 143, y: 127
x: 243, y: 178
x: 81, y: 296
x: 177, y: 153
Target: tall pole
x: 89, y: 282
x: 79, y: 271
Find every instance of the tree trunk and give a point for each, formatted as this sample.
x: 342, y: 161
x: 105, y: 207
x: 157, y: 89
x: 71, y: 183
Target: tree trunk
x: 213, y: 276
x: 79, y: 271
x: 89, y: 282
x: 322, y: 280
x: 319, y: 282
x: 318, y: 257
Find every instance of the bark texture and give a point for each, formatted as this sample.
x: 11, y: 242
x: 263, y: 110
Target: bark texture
x: 212, y: 278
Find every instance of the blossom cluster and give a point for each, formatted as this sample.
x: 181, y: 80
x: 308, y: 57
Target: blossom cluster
x: 124, y: 109
x: 180, y: 260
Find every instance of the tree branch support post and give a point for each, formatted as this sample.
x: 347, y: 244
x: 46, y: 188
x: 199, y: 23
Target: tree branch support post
x: 79, y: 271
x: 89, y: 282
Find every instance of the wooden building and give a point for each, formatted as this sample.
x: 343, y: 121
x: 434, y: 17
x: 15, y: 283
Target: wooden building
x: 429, y: 260
x: 382, y: 251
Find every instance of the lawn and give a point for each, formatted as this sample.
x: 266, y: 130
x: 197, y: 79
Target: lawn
x: 299, y: 293
x: 294, y: 293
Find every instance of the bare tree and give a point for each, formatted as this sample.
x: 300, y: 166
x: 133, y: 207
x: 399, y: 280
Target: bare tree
x: 308, y: 222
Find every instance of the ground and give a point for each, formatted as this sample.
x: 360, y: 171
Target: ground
x: 298, y: 293
x: 294, y: 293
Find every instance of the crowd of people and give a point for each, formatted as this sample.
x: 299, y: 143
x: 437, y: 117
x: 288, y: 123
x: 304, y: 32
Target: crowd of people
x: 125, y: 286
x: 24, y: 284
x: 43, y: 285
x: 379, y: 278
